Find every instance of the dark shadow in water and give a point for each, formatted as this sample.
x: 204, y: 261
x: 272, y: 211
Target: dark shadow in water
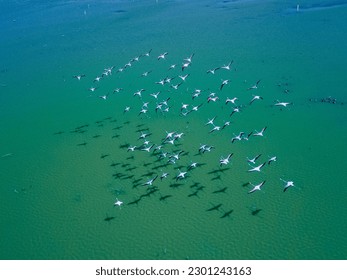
x: 119, y: 11
x: 114, y: 164
x: 218, y: 177
x: 160, y: 166
x: 164, y: 197
x: 149, y: 174
x: 221, y: 170
x: 255, y: 211
x: 195, y: 185
x: 81, y: 126
x: 137, y: 181
x: 216, y: 207
x: 109, y: 218
x: 194, y: 194
x: 226, y: 214
x: 150, y: 192
x: 124, y: 146
x: 131, y: 168
x: 175, y: 185
x: 147, y: 164
x: 118, y: 175
x: 58, y: 133
x: 128, y: 177
x: 82, y: 144
x: 220, y: 190
x: 136, y: 201
x: 117, y: 127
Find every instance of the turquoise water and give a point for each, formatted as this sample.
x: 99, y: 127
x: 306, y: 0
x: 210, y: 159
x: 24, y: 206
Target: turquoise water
x: 59, y: 183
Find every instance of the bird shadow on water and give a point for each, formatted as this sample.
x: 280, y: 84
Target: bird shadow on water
x: 255, y: 210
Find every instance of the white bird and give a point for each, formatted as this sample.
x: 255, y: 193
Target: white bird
x: 161, y: 82
x: 252, y: 160
x: 235, y: 110
x: 232, y: 100
x: 225, y: 161
x: 126, y: 109
x: 227, y: 67
x: 202, y: 148
x: 148, y: 53
x: 181, y: 175
x: 127, y: 65
x: 227, y: 123
x: 169, y: 135
x: 214, y: 99
x: 237, y: 137
x: 150, y: 182
x: 131, y: 148
x: 92, y: 89
x: 79, y: 77
x: 274, y: 158
x: 193, y: 165
x: 164, y: 175
x: 255, y: 97
x: 178, y: 135
x: 257, y: 168
x: 118, y: 203
x: 145, y: 74
x: 184, y: 106
x: 210, y: 121
x: 260, y: 133
x: 104, y: 97
x: 163, y: 55
x: 283, y: 104
x: 139, y: 92
x: 215, y: 128
x: 212, y: 71
x: 176, y: 156
x: 97, y: 79
x: 168, y: 80
x: 255, y: 86
x: 176, y: 86
x: 143, y: 111
x: 143, y: 135
x: 155, y: 95
x: 185, y: 65
x: 117, y: 90
x: 224, y: 82
x: 287, y: 185
x: 147, y: 149
x: 195, y: 108
x: 184, y: 77
x: 145, y: 105
x: 256, y: 187
x: 189, y: 59
x: 208, y: 149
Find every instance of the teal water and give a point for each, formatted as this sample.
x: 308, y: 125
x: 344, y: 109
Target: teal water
x: 56, y: 192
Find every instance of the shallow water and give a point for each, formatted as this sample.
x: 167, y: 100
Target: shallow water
x: 59, y: 183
